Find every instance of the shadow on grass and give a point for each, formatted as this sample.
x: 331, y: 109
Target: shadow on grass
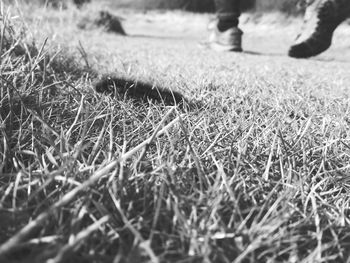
x: 157, y: 37
x: 141, y: 92
x: 257, y: 53
x: 316, y: 58
x: 323, y: 59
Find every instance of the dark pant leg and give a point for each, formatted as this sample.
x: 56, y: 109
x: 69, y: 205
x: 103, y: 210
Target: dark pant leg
x: 228, y: 12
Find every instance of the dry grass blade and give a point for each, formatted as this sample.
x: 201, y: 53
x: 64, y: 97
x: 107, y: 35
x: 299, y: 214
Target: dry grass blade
x: 25, y: 232
x: 81, y: 107
x: 80, y: 237
x: 269, y: 161
x: 140, y: 241
x: 158, y: 132
x: 84, y: 55
x: 44, y: 123
x: 194, y: 156
x: 67, y: 198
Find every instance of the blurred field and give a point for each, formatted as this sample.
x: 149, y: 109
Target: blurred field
x: 256, y: 170
x: 286, y: 6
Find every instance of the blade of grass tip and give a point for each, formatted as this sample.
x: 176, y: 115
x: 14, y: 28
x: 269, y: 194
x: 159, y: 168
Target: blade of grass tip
x: 97, y: 145
x: 80, y: 145
x: 313, y: 192
x: 111, y: 135
x: 145, y: 149
x: 65, y: 179
x: 38, y: 56
x: 272, y: 209
x: 286, y: 145
x: 318, y: 229
x: 62, y: 143
x: 266, y: 204
x: 42, y: 86
x: 4, y: 20
x: 127, y: 223
x: 15, y: 189
x: 81, y: 236
x: 6, y: 194
x: 283, y: 176
x: 155, y: 134
x: 51, y: 158
x: 194, y: 155
x: 38, y: 222
x: 10, y: 98
x: 158, y: 207
x: 81, y: 106
x: 48, y: 179
x: 41, y: 240
x: 222, y: 174
x: 121, y: 170
x: 52, y: 58
x: 268, y: 165
x: 145, y: 244
x: 38, y: 241
x: 6, y: 151
x: 242, y: 149
x: 144, y: 145
x: 249, y: 249
x: 44, y: 123
x: 301, y: 133
x: 216, y: 139
x: 83, y: 54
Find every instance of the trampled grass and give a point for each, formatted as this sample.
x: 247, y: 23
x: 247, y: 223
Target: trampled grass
x: 256, y: 171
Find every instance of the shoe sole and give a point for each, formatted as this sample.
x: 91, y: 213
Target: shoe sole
x: 309, y: 48
x: 220, y: 48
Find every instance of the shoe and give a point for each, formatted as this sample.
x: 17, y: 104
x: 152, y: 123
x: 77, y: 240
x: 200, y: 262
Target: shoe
x: 228, y: 40
x: 322, y: 17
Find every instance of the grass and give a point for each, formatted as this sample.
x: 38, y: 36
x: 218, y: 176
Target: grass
x: 257, y: 172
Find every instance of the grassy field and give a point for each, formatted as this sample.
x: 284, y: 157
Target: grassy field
x: 252, y: 167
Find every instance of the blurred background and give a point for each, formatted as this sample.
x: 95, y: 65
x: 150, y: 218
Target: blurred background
x: 287, y: 6
x: 202, y: 6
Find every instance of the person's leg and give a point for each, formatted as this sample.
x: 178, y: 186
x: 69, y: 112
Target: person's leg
x: 224, y: 32
x: 227, y: 12
x: 322, y: 17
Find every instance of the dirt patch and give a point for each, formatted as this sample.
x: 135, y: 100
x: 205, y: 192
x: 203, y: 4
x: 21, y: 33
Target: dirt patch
x: 104, y: 20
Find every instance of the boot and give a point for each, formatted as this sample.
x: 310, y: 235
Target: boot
x: 322, y: 17
x: 227, y: 40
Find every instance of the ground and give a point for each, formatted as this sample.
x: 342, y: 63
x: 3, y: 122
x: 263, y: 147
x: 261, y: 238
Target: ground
x: 256, y: 170
x: 160, y: 42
